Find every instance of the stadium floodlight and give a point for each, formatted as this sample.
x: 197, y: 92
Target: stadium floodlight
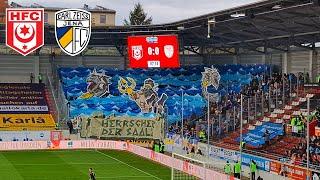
x: 210, y: 22
x: 276, y: 7
x: 180, y: 28
x: 237, y: 15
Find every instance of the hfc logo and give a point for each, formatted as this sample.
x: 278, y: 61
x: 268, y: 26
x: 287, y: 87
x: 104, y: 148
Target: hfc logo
x: 25, y: 29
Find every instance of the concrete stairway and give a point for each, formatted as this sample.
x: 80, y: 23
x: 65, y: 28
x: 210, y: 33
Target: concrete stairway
x: 51, y: 104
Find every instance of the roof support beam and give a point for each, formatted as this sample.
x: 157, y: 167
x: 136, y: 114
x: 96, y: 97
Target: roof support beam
x: 303, y: 46
x: 193, y: 49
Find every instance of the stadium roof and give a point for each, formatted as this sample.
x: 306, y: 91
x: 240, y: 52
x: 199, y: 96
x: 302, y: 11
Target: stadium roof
x: 274, y: 24
x: 97, y: 8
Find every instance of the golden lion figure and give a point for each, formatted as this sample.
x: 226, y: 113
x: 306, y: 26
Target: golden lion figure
x: 146, y: 98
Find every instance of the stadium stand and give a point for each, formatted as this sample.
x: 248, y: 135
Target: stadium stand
x: 172, y: 82
x: 282, y: 36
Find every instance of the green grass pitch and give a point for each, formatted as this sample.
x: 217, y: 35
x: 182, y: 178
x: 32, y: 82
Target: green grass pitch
x: 60, y: 165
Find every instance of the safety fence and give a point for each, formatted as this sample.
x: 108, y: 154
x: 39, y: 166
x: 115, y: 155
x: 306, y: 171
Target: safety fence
x: 163, y: 159
x: 215, y: 156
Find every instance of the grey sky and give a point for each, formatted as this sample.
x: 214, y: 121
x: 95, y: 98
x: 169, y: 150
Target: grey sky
x: 162, y: 11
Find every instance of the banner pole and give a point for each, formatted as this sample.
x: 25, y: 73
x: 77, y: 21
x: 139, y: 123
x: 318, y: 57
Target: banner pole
x: 249, y: 109
x: 297, y: 86
x: 182, y: 116
x: 276, y: 104
x: 283, y: 89
x: 255, y: 105
x: 208, y: 119
x: 241, y: 119
x: 234, y: 118
x: 307, y: 136
x: 290, y: 87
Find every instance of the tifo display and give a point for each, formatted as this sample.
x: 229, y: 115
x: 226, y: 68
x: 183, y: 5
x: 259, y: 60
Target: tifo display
x: 148, y: 93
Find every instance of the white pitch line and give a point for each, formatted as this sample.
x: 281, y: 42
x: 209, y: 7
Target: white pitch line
x: 55, y: 164
x: 115, y: 177
x: 128, y: 165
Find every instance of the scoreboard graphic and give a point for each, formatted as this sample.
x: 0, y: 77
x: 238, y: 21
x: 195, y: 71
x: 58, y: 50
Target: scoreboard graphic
x: 153, y: 51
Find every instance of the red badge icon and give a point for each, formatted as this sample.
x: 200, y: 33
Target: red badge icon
x: 25, y: 29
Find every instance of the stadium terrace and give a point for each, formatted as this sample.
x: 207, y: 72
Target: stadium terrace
x: 232, y: 94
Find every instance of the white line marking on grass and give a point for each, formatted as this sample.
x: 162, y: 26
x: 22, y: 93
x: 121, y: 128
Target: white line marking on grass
x: 115, y: 177
x: 54, y: 164
x: 128, y: 165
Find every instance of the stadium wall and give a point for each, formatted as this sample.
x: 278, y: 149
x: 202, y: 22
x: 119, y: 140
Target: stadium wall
x: 17, y: 68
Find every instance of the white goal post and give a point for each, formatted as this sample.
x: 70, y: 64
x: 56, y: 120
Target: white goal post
x: 180, y: 175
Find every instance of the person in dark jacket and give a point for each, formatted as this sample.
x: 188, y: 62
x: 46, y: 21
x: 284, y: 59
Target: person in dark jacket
x: 92, y: 175
x: 70, y: 126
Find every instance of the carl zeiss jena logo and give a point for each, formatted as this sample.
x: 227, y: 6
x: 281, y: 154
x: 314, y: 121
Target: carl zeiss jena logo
x: 73, y: 30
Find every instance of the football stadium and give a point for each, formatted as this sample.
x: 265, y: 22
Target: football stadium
x: 231, y: 94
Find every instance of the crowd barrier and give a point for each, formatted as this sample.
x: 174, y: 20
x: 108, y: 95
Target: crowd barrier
x: 163, y: 159
x: 181, y: 146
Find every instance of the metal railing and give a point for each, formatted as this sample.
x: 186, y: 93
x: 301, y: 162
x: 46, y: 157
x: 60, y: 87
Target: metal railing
x: 63, y: 102
x: 51, y: 88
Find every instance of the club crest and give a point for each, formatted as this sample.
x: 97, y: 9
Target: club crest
x: 25, y: 29
x: 73, y: 30
x: 137, y: 52
x: 169, y: 51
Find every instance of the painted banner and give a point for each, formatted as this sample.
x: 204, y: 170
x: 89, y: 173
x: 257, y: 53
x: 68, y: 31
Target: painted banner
x: 153, y: 51
x: 93, y: 144
x: 224, y: 154
x: 290, y: 171
x: 262, y: 163
x: 23, y: 145
x: 142, y: 143
x: 174, y: 143
x: 22, y: 98
x: 18, y: 122
x: 24, y: 135
x: 122, y: 127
